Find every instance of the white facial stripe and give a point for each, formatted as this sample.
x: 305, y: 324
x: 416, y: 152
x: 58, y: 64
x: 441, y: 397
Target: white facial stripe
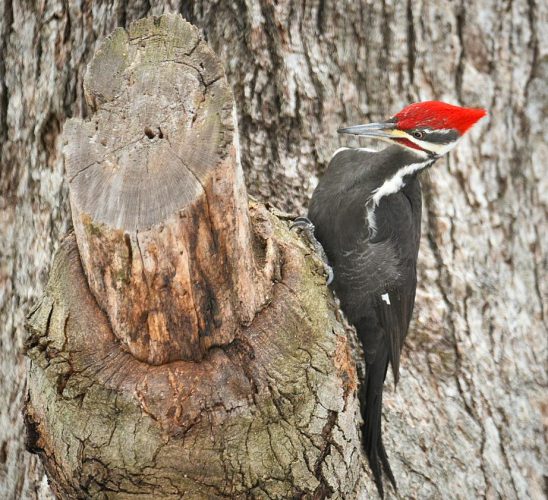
x: 390, y: 186
x: 395, y: 183
x: 439, y: 149
x: 438, y: 131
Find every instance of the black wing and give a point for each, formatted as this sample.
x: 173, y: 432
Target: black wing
x: 394, y: 308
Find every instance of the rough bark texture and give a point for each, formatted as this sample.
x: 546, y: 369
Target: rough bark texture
x: 466, y: 420
x: 270, y: 415
x: 158, y: 202
x: 262, y: 402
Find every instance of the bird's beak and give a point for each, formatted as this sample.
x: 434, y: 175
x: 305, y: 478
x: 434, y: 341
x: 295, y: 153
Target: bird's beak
x: 386, y: 130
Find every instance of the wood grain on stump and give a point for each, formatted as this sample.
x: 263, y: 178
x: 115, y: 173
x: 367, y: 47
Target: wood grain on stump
x: 271, y: 415
x: 205, y: 358
x: 158, y: 201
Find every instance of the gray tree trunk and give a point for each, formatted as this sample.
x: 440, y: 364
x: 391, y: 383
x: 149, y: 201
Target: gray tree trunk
x: 466, y: 420
x: 185, y: 345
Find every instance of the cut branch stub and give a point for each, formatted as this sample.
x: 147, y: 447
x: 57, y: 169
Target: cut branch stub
x: 157, y: 195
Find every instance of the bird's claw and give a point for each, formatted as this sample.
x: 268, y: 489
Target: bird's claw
x: 305, y: 225
x: 330, y: 274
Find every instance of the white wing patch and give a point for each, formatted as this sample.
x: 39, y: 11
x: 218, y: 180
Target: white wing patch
x: 386, y: 298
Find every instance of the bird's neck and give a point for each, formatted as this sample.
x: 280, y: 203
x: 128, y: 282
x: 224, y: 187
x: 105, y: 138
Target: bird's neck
x: 398, y: 167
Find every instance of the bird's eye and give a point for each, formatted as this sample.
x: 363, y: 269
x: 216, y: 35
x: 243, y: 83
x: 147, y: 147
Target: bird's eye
x: 418, y: 134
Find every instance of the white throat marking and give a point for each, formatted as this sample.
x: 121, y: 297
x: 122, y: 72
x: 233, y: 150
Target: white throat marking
x: 395, y: 183
x: 390, y: 186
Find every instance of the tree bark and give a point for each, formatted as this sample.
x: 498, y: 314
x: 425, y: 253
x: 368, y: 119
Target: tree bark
x: 194, y: 359
x: 272, y: 414
x: 466, y: 420
x: 158, y: 201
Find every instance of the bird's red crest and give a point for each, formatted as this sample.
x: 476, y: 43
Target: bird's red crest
x: 438, y: 115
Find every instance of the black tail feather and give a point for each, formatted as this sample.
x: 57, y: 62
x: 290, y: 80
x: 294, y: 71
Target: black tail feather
x: 371, y: 409
x: 385, y: 464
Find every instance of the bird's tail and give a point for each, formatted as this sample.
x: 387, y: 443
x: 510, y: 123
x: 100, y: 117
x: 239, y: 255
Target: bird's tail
x: 371, y: 409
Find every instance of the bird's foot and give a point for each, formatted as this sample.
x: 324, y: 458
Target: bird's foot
x: 330, y: 274
x: 305, y: 227
x: 302, y: 223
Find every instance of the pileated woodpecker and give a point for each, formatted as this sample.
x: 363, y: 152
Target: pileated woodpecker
x: 366, y: 213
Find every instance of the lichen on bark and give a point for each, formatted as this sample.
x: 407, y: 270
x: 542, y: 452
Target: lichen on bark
x: 271, y: 414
